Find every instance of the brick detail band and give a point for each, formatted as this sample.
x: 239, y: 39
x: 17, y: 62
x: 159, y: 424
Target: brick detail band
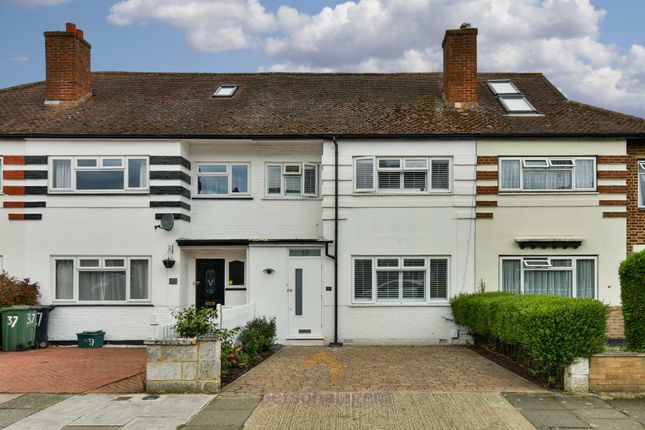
x: 484, y: 215
x: 11, y: 190
x: 486, y: 190
x: 24, y: 204
x: 487, y: 175
x: 486, y: 203
x: 614, y: 214
x: 25, y: 217
x: 612, y: 174
x: 486, y: 160
x: 14, y: 160
x: 13, y: 174
x: 612, y: 203
x: 612, y: 159
x: 612, y: 189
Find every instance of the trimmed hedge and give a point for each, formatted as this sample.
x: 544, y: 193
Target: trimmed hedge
x: 14, y: 291
x: 632, y: 296
x: 547, y: 332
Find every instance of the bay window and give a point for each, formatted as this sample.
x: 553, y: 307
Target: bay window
x: 101, y: 279
x: 562, y: 276
x: 223, y: 179
x: 547, y: 174
x: 396, y: 174
x: 292, y: 180
x: 400, y: 279
x: 109, y: 174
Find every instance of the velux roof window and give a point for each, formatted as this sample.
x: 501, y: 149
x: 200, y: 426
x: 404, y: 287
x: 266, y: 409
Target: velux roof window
x: 225, y: 91
x: 510, y: 97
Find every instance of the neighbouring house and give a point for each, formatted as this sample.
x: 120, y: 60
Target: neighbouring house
x: 351, y: 207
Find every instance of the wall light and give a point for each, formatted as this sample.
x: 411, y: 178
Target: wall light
x: 268, y: 270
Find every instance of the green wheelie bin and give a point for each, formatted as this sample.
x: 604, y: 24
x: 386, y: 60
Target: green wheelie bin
x: 18, y: 327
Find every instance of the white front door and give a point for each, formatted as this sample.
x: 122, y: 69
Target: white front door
x: 305, y: 297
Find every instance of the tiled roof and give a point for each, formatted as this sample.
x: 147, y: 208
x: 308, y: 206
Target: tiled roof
x: 300, y: 104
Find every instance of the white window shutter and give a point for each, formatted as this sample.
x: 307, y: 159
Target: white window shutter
x: 310, y: 180
x: 364, y: 174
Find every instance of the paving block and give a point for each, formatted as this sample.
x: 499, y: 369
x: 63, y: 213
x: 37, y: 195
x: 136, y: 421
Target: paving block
x: 553, y: 418
x: 614, y: 424
x: 33, y: 401
x: 591, y: 413
x: 583, y: 402
x: 234, y: 402
x: 534, y: 402
x: 220, y: 418
x: 10, y: 416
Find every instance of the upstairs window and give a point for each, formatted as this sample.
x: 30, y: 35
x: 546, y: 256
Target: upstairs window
x: 641, y: 184
x: 292, y: 180
x: 394, y: 174
x: 110, y: 174
x: 513, y: 101
x: 223, y: 179
x: 547, y: 174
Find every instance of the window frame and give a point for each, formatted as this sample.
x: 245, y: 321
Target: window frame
x: 74, y: 167
x: 283, y: 174
x: 402, y: 169
x: 1, y: 179
x: 547, y: 166
x: 401, y: 268
x: 573, y: 268
x: 516, y: 94
x: 228, y: 174
x: 77, y: 269
x: 640, y: 164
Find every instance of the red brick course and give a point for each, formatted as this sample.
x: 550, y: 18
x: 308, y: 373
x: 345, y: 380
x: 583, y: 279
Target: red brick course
x: 612, y: 189
x: 612, y: 174
x: 14, y: 174
x: 14, y: 160
x: 14, y: 190
x: 612, y: 159
x: 72, y: 370
x: 484, y: 215
x: 486, y: 190
x: 486, y: 203
x: 614, y: 214
x: 487, y: 174
x: 487, y: 160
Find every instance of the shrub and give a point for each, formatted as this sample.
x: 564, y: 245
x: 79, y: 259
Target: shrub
x: 14, y: 291
x: 547, y: 332
x: 632, y: 296
x: 257, y: 337
x: 193, y: 322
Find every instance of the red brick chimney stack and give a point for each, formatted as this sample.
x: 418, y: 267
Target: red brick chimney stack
x: 68, y: 72
x: 460, y: 67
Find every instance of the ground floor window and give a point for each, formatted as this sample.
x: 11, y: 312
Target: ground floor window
x: 400, y: 279
x: 563, y: 276
x: 102, y: 279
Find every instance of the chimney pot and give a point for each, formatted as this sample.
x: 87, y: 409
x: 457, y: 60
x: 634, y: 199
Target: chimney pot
x: 79, y: 33
x: 460, y: 67
x: 70, y: 27
x: 464, y: 25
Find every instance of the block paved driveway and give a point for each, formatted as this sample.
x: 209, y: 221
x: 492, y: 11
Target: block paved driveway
x: 379, y: 368
x: 73, y: 370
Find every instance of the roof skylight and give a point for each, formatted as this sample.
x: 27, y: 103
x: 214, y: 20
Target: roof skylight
x: 510, y: 97
x: 225, y: 91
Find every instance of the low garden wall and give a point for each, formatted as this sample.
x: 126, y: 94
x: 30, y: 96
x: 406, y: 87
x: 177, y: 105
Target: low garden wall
x: 183, y: 366
x: 617, y: 372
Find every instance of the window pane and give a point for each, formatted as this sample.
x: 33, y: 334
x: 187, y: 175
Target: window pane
x: 389, y: 180
x: 298, y: 292
x: 62, y: 174
x: 212, y: 184
x: 88, y: 262
x: 236, y: 272
x: 438, y: 279
x: 292, y: 168
x: 516, y: 104
x: 414, y: 262
x: 240, y: 178
x: 292, y: 184
x: 387, y: 262
x: 585, y: 279
x: 310, y: 180
x: 364, y: 174
x: 99, y: 180
x: 64, y: 279
x: 510, y: 171
x: 274, y: 179
x: 112, y: 162
x: 414, y: 181
x: 414, y: 285
x: 543, y: 179
x: 641, y: 189
x: 389, y: 164
x: 511, y: 272
x: 387, y: 285
x: 139, y: 279
x: 212, y: 168
x: 413, y: 163
x: 114, y: 262
x: 503, y: 87
x: 548, y: 282
x: 137, y: 173
x: 86, y: 163
x: 585, y: 174
x: 304, y: 253
x: 101, y: 286
x: 440, y: 174
x: 363, y: 279
x: 561, y: 262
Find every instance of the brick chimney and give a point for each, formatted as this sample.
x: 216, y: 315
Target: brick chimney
x: 460, y: 67
x: 68, y: 73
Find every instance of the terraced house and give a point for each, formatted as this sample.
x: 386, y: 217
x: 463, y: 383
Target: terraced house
x: 351, y: 207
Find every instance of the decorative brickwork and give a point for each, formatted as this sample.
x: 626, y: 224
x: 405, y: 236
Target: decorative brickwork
x: 14, y: 160
x: 614, y: 214
x: 617, y: 372
x: 612, y: 159
x: 460, y: 67
x: 612, y: 189
x: 486, y: 190
x: 486, y: 203
x: 67, y: 58
x: 487, y: 175
x: 612, y: 174
x: 13, y: 174
x: 484, y: 215
x: 482, y: 159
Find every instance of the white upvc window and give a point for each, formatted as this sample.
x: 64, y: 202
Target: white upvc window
x: 223, y: 179
x: 1, y: 174
x: 565, y: 276
x: 292, y: 179
x: 400, y: 280
x: 105, y: 174
x: 101, y: 279
x: 641, y: 184
x: 546, y: 174
x: 402, y: 174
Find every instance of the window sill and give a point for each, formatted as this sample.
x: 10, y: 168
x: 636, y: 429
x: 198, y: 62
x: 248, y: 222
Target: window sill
x: 98, y: 193
x: 387, y: 194
x: 292, y: 198
x: 438, y: 303
x: 71, y: 305
x: 548, y: 193
x: 224, y: 198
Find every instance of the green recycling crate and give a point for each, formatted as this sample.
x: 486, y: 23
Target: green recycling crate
x: 90, y: 339
x: 18, y: 327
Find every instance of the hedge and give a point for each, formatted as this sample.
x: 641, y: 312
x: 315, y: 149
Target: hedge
x: 632, y: 296
x: 547, y: 332
x: 14, y: 291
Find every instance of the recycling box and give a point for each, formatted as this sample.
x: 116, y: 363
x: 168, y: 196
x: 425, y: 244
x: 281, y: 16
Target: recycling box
x: 18, y: 327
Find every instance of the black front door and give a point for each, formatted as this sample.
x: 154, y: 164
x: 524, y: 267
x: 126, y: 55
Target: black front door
x: 210, y: 283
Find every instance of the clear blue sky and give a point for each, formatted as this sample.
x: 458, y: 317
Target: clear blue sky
x: 156, y: 45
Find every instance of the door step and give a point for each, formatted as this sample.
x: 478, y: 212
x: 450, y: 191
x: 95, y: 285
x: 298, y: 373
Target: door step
x: 305, y: 342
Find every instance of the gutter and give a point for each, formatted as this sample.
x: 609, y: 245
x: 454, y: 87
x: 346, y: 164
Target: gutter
x: 335, y: 343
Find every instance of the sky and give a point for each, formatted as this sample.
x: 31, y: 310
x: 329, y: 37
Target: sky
x: 592, y: 50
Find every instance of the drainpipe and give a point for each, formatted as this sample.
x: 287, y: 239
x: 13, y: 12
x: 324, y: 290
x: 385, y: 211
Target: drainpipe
x: 335, y: 343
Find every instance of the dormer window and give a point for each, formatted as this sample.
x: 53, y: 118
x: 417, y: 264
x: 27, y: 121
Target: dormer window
x: 513, y: 101
x: 225, y: 91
